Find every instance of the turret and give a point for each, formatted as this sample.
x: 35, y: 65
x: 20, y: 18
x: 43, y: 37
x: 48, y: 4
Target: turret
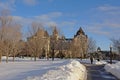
x: 80, y: 32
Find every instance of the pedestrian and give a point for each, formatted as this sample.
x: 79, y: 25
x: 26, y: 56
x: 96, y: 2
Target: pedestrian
x: 91, y: 59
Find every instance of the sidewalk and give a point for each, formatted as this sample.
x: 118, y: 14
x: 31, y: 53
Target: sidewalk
x: 97, y: 72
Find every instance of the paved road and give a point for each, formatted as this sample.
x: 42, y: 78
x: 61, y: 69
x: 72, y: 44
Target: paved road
x: 97, y: 72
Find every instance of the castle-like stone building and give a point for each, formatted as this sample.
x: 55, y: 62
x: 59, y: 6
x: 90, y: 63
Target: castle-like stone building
x: 80, y: 42
x: 75, y: 47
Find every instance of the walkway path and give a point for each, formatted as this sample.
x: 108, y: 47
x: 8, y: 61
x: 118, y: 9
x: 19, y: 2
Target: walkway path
x: 97, y: 72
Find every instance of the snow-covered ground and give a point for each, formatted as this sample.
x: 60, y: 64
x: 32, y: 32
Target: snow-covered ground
x: 114, y: 69
x: 94, y: 61
x: 66, y: 69
x: 100, y: 62
x: 42, y: 70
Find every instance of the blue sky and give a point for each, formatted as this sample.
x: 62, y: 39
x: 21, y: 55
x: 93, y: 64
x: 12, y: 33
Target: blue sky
x: 100, y: 19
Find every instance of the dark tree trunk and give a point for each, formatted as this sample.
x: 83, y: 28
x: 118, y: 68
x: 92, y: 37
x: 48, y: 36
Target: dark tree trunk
x: 53, y: 54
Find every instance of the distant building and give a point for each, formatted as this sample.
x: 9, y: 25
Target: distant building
x: 75, y: 47
x: 104, y: 54
x: 80, y: 41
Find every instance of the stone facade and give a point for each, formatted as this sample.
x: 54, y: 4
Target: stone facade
x: 75, y: 47
x: 80, y: 42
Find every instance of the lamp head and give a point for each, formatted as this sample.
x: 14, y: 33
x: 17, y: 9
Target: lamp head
x: 110, y: 45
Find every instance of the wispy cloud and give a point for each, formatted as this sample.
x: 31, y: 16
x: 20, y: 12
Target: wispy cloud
x: 50, y: 0
x: 30, y: 2
x: 115, y: 10
x: 104, y: 29
x: 68, y: 23
x: 9, y: 4
x: 48, y: 20
x: 108, y: 32
x: 105, y: 33
x: 49, y: 15
x: 45, y: 19
x: 106, y: 21
x: 97, y: 29
x: 22, y: 20
x: 108, y: 8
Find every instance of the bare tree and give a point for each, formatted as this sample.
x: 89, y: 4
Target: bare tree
x: 79, y: 46
x: 16, y: 36
x: 37, y: 41
x: 4, y: 22
x: 11, y: 41
x: 91, y: 45
x: 9, y: 34
x: 61, y: 47
x: 54, y: 42
x: 116, y: 44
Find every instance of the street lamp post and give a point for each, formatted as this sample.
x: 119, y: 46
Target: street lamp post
x: 98, y: 53
x: 110, y: 54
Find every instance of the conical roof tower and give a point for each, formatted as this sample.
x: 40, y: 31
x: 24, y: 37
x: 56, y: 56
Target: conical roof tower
x: 80, y: 31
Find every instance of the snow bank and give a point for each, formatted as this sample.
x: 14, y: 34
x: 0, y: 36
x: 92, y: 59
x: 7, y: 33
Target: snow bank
x: 100, y: 62
x: 94, y: 61
x: 114, y: 69
x: 85, y: 60
x: 71, y: 71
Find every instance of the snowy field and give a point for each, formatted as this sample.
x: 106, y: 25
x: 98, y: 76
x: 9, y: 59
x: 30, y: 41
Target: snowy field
x: 66, y: 69
x: 42, y: 70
